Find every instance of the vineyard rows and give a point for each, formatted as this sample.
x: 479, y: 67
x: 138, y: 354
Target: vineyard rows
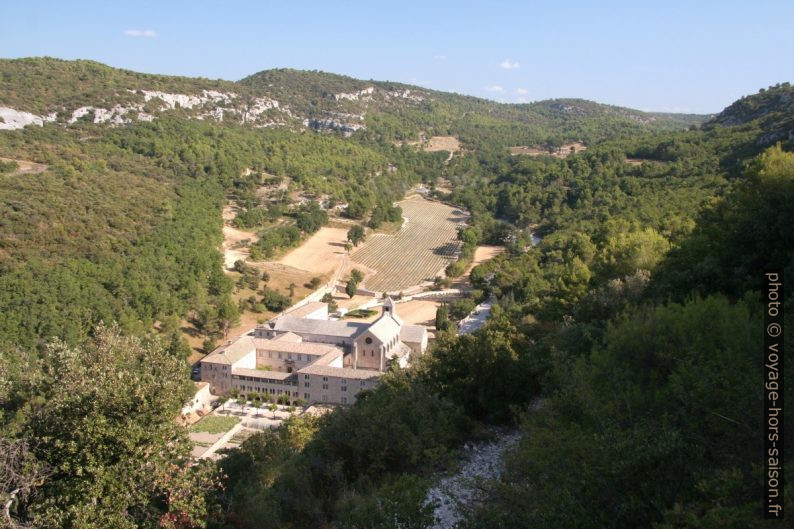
x: 423, y: 247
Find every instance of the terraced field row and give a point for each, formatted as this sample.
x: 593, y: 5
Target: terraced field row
x: 423, y: 247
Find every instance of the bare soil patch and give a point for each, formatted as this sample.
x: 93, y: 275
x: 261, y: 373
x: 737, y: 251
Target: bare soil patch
x: 322, y: 253
x: 232, y: 239
x: 443, y: 143
x: 419, y: 312
x: 640, y: 161
x: 484, y: 253
x: 562, y: 152
x: 25, y: 166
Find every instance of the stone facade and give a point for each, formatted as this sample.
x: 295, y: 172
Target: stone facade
x: 304, y: 355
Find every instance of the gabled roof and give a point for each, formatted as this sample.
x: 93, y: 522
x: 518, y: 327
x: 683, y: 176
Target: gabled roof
x: 262, y: 373
x: 341, y: 329
x: 288, y: 337
x: 385, y: 328
x: 233, y: 352
x: 316, y: 349
x: 413, y: 333
x: 307, y: 309
x: 340, y: 372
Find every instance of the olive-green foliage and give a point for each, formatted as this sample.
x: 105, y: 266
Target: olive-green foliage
x: 665, y: 390
x: 310, y: 217
x: 278, y: 478
x: 100, y: 419
x: 659, y: 419
x: 486, y: 373
x: 274, y: 240
x: 356, y: 234
x: 275, y: 301
x: 739, y: 237
x: 8, y: 167
x: 401, y: 502
x: 384, y: 212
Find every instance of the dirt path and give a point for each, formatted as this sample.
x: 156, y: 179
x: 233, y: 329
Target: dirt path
x: 231, y: 237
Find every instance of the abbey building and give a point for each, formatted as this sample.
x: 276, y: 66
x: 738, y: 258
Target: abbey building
x: 306, y: 356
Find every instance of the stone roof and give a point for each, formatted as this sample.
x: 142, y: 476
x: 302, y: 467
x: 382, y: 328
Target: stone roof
x: 329, y: 357
x: 385, y: 328
x: 307, y: 309
x: 262, y: 373
x: 316, y: 349
x: 340, y: 329
x: 288, y: 337
x: 399, y: 351
x: 412, y: 333
x: 233, y: 352
x: 340, y: 372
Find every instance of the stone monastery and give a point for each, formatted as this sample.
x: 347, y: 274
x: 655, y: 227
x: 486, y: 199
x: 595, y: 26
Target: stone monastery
x: 304, y: 355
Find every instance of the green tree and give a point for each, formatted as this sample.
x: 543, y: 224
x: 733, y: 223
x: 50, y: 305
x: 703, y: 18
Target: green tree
x: 356, y: 234
x: 104, y: 428
x: 357, y: 275
x: 442, y: 318
x: 351, y: 287
x: 228, y: 315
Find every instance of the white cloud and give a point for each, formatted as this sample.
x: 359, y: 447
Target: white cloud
x: 522, y: 91
x: 494, y: 88
x: 146, y: 33
x: 440, y: 57
x: 508, y: 64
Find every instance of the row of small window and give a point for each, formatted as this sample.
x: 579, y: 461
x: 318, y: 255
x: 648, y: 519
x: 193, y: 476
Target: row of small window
x: 298, y: 356
x: 325, y: 379
x: 325, y: 386
x: 272, y: 391
x: 265, y: 380
x: 324, y: 398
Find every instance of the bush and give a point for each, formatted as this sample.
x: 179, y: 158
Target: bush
x: 455, y: 269
x: 461, y: 308
x: 275, y: 301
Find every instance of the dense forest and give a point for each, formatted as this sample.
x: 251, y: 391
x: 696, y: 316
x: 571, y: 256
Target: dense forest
x: 624, y: 346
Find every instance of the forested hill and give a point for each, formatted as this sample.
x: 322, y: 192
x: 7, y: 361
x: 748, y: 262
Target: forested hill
x: 771, y: 109
x: 624, y: 347
x: 70, y: 92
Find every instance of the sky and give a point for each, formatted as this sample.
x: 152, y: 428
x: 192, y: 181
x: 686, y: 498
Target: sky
x: 669, y: 56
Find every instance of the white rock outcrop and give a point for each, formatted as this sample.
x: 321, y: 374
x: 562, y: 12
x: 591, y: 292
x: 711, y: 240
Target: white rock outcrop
x: 12, y: 119
x: 354, y: 96
x: 172, y: 101
x: 453, y: 495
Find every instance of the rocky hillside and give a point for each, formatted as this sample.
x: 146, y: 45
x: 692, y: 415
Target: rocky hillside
x: 772, y: 109
x: 43, y: 90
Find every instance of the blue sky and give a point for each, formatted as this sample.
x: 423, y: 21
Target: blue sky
x: 695, y: 56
